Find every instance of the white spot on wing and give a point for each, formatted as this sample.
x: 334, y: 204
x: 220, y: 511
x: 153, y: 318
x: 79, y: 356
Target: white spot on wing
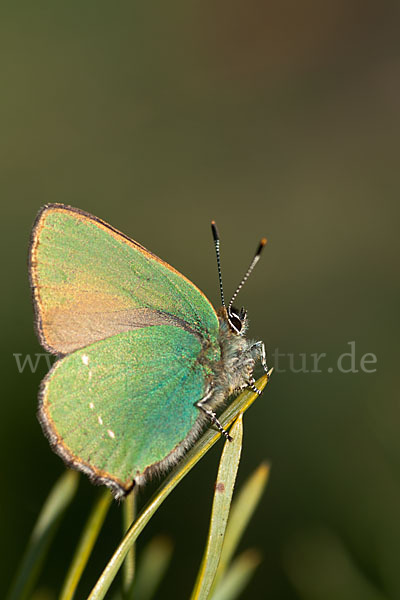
x: 85, y: 359
x: 100, y: 420
x: 111, y: 433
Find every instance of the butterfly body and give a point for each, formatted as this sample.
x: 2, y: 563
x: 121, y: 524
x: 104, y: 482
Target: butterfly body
x: 144, y: 359
x: 238, y: 355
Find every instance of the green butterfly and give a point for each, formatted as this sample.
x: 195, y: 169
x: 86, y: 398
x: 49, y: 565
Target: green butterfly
x: 144, y: 358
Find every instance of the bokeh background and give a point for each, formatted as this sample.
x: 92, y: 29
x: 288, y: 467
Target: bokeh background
x: 273, y: 118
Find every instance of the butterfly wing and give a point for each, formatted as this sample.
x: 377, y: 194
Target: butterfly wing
x: 122, y: 405
x: 90, y: 281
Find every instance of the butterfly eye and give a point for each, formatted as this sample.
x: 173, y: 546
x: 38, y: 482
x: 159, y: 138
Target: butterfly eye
x: 236, y: 319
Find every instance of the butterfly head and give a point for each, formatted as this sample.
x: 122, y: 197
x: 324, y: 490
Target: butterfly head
x: 237, y: 319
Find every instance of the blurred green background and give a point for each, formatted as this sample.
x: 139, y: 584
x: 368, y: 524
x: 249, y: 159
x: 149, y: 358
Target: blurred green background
x: 276, y: 119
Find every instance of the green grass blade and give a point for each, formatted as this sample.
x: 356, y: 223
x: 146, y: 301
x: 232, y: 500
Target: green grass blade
x: 88, y: 539
x: 59, y: 498
x: 242, y: 510
x: 210, y: 437
x: 128, y: 516
x: 226, y: 478
x: 237, y: 576
x: 154, y: 561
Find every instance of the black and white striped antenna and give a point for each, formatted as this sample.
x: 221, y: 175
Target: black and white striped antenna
x: 249, y: 270
x: 253, y: 263
x: 216, y: 243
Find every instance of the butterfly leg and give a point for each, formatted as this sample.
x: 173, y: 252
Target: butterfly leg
x: 259, y: 347
x: 202, y: 405
x: 252, y: 385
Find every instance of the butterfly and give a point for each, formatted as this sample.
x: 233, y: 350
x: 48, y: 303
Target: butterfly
x: 144, y: 360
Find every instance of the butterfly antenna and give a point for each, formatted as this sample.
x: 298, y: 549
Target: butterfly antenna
x: 216, y: 243
x: 249, y: 270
